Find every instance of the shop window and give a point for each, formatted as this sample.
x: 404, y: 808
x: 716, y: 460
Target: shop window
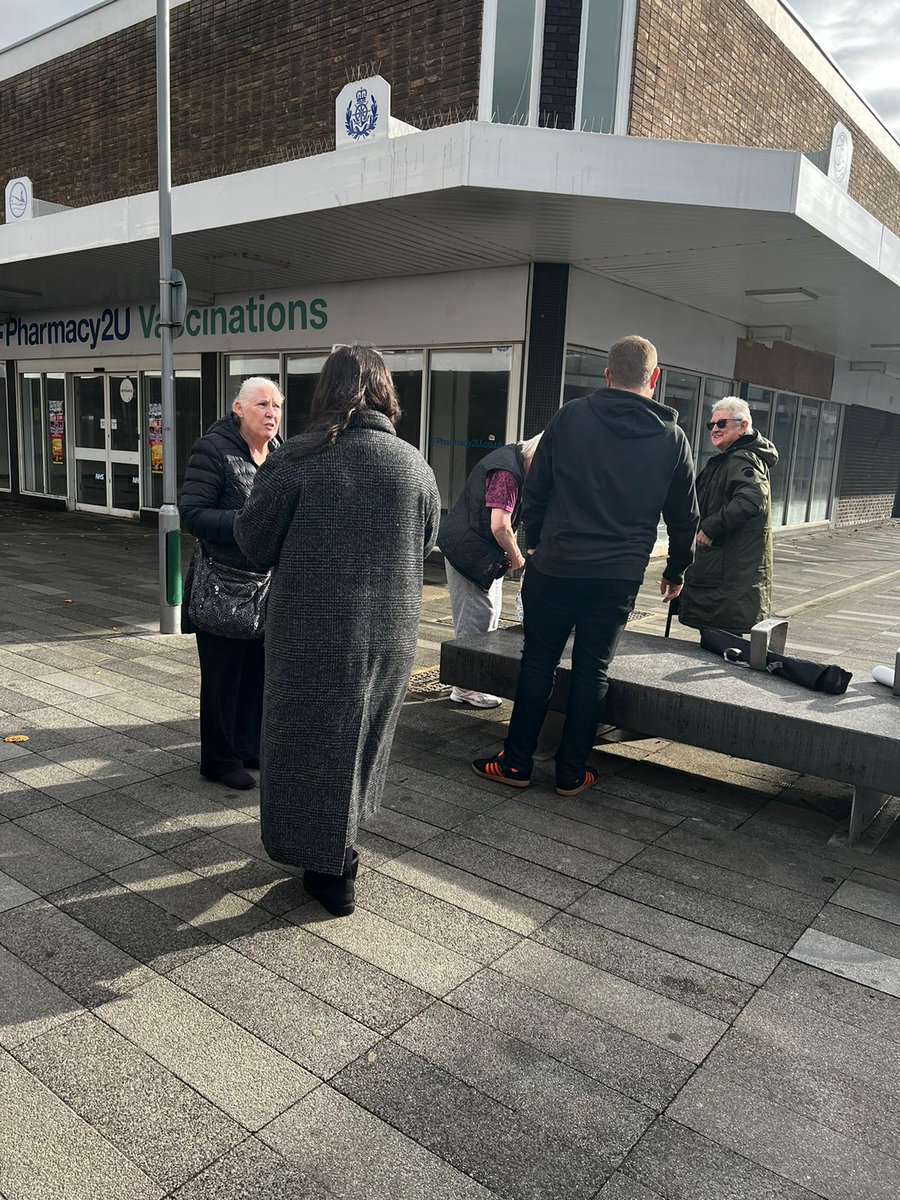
x: 406, y: 368
x: 829, y: 423
x: 468, y: 410
x: 714, y: 389
x: 804, y: 462
x: 55, y: 451
x: 783, y: 426
x: 603, y: 53
x: 302, y: 372
x: 239, y: 367
x: 31, y: 425
x: 5, y: 483
x: 681, y: 391
x: 188, y: 419
x: 584, y: 372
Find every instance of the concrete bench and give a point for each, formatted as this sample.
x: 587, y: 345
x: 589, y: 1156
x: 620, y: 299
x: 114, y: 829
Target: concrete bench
x: 676, y: 690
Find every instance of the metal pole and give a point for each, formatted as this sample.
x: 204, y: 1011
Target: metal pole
x: 169, y: 521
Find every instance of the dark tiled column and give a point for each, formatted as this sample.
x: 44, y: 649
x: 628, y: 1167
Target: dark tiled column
x: 546, y: 344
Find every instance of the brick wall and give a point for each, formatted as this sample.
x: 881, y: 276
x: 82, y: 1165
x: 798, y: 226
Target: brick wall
x: 869, y: 467
x: 251, y: 83
x: 712, y: 71
x: 559, y: 66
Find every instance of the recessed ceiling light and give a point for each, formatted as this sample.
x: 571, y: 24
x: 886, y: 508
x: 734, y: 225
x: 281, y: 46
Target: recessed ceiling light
x: 12, y: 291
x: 783, y: 296
x: 885, y: 346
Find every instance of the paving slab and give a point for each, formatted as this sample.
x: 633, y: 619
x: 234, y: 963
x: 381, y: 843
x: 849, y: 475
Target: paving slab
x: 13, y: 893
x: 441, y: 813
x: 148, y: 1114
x: 29, y: 1003
x: 243, y: 1076
x: 852, y: 961
x: 358, y: 1156
x: 48, y: 1151
x: 728, y: 885
x: 636, y: 1010
x: 258, y: 882
x: 134, y: 820
x: 299, y: 1025
x: 682, y: 795
x: 618, y: 1059
x: 574, y: 1106
x: 401, y: 828
x: 522, y: 842
x: 389, y: 946
x: 147, y: 932
x: 676, y: 1163
x: 17, y: 799
x: 470, y: 795
x: 864, y: 1008
x: 540, y: 883
x: 38, y: 864
x: 855, y: 926
x: 93, y: 843
x: 57, y: 781
x: 757, y: 857
x: 361, y: 990
x: 621, y: 1187
x: 560, y: 828
x: 711, y: 992
x: 470, y: 892
x: 754, y: 1124
x: 251, y: 1171
x: 79, y: 961
x: 617, y: 815
x: 506, y: 1151
x: 199, y: 901
x: 700, y: 907
x: 698, y: 943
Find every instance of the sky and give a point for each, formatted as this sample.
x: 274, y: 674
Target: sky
x: 862, y: 37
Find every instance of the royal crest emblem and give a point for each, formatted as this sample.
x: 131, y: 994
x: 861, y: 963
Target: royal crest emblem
x: 362, y: 115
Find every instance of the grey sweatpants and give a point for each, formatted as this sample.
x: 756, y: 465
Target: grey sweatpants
x: 474, y: 611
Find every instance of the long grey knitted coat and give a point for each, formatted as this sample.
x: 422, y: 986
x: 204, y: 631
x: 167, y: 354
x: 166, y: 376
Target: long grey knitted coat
x: 346, y: 531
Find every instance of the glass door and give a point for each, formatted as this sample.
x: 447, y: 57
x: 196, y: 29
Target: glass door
x: 107, y: 461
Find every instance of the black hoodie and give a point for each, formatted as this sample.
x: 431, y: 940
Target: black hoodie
x: 607, y: 466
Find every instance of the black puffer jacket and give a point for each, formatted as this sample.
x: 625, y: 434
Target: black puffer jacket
x: 217, y: 482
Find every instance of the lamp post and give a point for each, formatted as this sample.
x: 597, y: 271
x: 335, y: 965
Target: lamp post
x: 172, y: 300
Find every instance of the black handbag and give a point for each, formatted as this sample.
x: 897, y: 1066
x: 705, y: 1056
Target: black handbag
x: 225, y: 600
x: 818, y: 678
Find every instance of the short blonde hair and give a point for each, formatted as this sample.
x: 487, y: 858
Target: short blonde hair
x: 632, y: 360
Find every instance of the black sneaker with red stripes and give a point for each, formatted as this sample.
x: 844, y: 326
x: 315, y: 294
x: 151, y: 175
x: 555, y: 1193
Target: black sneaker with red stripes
x: 495, y: 769
x: 575, y: 788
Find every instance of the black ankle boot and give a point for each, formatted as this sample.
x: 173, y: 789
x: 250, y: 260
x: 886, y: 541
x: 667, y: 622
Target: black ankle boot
x: 336, y: 893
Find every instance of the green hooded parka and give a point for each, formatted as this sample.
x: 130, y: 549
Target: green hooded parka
x: 729, y: 585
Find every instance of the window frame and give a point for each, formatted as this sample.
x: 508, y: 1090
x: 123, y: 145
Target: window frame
x: 624, y: 61
x: 488, y: 60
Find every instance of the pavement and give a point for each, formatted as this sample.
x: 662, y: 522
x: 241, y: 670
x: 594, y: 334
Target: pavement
x: 675, y: 987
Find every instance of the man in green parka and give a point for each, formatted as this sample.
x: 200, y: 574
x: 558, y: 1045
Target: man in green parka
x: 729, y: 585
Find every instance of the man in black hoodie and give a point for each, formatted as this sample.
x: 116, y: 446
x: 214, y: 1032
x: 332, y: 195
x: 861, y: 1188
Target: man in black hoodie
x: 607, y: 466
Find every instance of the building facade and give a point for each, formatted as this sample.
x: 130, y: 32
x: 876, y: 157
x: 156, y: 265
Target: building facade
x: 543, y: 177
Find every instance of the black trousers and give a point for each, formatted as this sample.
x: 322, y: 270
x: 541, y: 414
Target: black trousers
x: 231, y: 694
x: 597, y: 610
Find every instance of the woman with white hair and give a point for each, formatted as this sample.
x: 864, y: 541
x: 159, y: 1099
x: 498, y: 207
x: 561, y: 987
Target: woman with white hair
x: 729, y: 585
x: 477, y: 540
x: 217, y: 484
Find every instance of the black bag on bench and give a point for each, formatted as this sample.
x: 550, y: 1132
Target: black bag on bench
x: 729, y: 646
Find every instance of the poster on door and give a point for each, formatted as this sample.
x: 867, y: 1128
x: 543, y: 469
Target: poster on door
x: 56, y: 418
x: 154, y: 420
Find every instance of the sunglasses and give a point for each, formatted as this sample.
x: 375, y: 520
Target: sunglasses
x: 722, y: 422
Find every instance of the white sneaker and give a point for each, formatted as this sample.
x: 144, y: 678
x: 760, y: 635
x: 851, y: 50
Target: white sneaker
x: 475, y: 699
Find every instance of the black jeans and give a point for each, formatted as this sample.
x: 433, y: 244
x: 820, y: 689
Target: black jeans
x: 597, y: 610
x: 231, y: 694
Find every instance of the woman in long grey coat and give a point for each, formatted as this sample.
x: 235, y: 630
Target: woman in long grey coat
x: 344, y: 514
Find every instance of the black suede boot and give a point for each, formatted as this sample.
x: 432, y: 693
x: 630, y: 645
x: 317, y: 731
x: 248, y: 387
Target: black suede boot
x: 336, y: 893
